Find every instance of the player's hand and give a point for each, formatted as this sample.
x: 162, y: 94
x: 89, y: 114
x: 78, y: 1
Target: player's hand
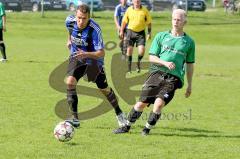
x: 121, y: 34
x: 188, y: 91
x: 4, y: 28
x: 69, y: 43
x: 170, y: 65
x: 81, y: 54
x: 149, y: 36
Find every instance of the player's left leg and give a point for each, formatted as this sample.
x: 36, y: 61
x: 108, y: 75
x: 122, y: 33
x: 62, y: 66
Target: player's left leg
x: 141, y: 51
x: 164, y: 96
x: 2, y: 47
x: 102, y: 84
x: 141, y: 41
x: 133, y: 115
x: 154, y: 115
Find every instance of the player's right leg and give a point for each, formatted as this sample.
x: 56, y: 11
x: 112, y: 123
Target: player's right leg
x: 153, y: 116
x: 72, y: 100
x: 75, y: 71
x: 130, y: 44
x: 129, y: 57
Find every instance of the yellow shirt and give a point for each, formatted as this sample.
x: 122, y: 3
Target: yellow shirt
x: 137, y: 19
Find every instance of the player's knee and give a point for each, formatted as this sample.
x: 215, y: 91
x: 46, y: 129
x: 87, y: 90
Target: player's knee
x: 158, y: 105
x: 71, y: 82
x: 140, y: 106
x: 141, y: 50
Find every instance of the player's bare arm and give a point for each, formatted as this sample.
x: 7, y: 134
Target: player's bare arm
x: 116, y: 23
x: 122, y: 29
x: 93, y: 55
x: 149, y: 34
x: 189, y: 68
x: 157, y: 60
x: 4, y: 23
x: 69, y: 42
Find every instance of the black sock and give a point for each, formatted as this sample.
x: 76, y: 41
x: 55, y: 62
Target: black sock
x: 114, y: 102
x: 133, y: 116
x: 139, y: 60
x: 129, y: 63
x: 152, y: 120
x: 3, y: 50
x: 72, y: 99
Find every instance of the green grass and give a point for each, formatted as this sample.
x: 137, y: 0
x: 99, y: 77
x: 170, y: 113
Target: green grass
x: 36, y: 46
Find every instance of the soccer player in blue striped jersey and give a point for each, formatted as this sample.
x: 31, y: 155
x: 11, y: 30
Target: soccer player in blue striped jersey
x: 120, y: 10
x: 87, y: 57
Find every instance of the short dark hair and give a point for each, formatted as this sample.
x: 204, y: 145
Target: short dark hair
x: 83, y: 8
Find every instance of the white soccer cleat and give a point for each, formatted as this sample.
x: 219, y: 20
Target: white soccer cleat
x: 122, y: 120
x: 3, y: 60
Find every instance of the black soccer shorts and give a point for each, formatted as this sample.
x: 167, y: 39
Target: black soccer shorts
x: 95, y: 74
x: 159, y: 85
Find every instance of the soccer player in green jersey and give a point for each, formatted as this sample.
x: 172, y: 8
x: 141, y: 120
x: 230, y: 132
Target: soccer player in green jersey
x: 170, y: 54
x: 2, y: 28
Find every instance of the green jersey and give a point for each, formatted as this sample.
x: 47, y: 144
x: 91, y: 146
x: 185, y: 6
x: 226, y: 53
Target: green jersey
x: 2, y: 13
x: 179, y: 50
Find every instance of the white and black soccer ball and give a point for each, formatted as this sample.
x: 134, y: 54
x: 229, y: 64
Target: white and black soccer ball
x: 64, y: 131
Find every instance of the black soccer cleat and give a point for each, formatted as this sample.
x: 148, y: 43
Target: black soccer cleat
x: 138, y: 70
x: 74, y: 122
x: 121, y: 130
x: 145, y: 131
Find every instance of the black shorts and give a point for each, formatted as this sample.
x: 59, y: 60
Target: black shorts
x: 159, y: 85
x: 135, y: 37
x: 1, y: 35
x: 95, y: 74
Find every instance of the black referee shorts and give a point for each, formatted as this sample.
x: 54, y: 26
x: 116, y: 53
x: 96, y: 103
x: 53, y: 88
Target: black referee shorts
x: 138, y: 38
x: 159, y: 85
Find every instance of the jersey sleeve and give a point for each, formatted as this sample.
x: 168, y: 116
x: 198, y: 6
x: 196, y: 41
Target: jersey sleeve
x: 155, y: 48
x: 2, y: 10
x: 116, y: 13
x: 70, y: 21
x: 97, y: 40
x: 191, y: 53
x: 125, y: 17
x: 148, y: 17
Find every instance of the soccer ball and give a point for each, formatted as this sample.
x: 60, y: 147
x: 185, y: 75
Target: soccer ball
x: 64, y: 131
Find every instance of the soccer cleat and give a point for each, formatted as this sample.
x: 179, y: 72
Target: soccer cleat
x: 122, y: 130
x: 74, y: 122
x: 145, y: 131
x: 123, y: 57
x: 129, y: 72
x: 138, y: 70
x: 3, y: 60
x: 122, y: 120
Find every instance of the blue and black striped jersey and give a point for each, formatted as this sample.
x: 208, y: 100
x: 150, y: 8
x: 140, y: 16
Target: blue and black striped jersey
x: 88, y: 39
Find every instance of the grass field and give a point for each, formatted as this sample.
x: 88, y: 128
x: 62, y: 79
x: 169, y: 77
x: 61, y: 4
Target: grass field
x: 210, y: 126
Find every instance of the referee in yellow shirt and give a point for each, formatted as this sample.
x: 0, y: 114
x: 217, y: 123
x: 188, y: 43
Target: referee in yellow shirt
x: 137, y: 17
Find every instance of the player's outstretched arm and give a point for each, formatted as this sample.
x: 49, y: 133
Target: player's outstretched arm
x: 4, y: 23
x: 149, y: 34
x: 93, y: 55
x: 157, y: 60
x: 189, y: 69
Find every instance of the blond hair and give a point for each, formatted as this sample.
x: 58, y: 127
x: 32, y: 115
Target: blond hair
x: 180, y: 12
